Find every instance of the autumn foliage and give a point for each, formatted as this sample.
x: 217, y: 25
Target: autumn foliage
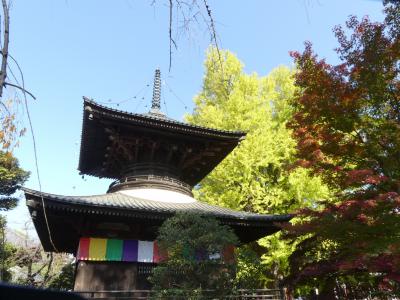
x: 347, y: 126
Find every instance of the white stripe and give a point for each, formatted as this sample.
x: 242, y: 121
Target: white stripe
x: 145, y: 251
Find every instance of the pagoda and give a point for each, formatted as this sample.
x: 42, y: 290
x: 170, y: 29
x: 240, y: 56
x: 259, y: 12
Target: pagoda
x: 155, y: 162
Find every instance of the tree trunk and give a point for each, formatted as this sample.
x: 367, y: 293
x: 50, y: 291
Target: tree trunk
x: 3, y: 70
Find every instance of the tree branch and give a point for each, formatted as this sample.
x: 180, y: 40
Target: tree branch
x: 3, y: 70
x: 170, y: 35
x: 46, y: 276
x: 171, y: 40
x: 6, y: 108
x: 213, y: 32
x: 22, y: 89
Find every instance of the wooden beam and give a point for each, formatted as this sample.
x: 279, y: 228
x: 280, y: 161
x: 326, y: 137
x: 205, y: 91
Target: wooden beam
x: 153, y: 149
x: 172, y: 149
x: 137, y: 145
x: 124, y: 147
x: 184, y: 155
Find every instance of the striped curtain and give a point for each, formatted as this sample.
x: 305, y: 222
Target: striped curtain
x: 98, y: 249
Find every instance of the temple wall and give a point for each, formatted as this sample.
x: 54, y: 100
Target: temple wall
x: 123, y: 265
x: 106, y: 276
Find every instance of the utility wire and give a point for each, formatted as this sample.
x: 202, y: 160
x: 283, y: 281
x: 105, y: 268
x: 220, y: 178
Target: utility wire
x: 165, y: 104
x: 142, y: 98
x: 12, y: 73
x: 35, y: 154
x: 175, y: 95
x: 16, y: 80
x: 123, y: 101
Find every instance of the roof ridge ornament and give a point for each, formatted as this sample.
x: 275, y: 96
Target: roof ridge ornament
x: 156, y: 101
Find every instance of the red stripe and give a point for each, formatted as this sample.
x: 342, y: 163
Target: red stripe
x: 158, y: 254
x: 229, y: 254
x: 83, y: 251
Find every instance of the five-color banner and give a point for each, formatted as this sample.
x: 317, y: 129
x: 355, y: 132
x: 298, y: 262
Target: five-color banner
x: 99, y: 249
x: 119, y: 250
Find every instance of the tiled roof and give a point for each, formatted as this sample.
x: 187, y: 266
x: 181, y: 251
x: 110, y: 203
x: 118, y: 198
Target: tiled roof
x: 121, y: 201
x: 152, y: 119
x: 105, y: 131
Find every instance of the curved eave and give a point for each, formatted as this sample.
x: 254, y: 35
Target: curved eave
x: 113, y: 204
x: 153, y: 121
x: 67, y: 214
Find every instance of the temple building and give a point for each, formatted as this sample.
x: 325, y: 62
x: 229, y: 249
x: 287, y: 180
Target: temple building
x: 155, y: 162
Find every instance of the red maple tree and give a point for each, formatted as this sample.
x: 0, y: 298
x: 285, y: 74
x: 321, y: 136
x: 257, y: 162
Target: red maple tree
x: 347, y: 125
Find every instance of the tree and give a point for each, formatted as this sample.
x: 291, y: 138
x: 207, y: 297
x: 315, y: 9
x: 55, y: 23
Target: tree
x: 347, y: 127
x: 9, y: 131
x: 251, y: 273
x: 7, y: 254
x: 254, y: 177
x: 195, y: 262
x: 64, y: 280
x: 29, y: 264
x: 11, y: 179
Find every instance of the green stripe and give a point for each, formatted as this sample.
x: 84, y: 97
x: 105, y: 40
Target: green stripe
x: 114, y: 250
x: 188, y: 252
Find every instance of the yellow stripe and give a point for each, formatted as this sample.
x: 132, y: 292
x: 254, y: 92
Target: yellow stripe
x: 97, y: 249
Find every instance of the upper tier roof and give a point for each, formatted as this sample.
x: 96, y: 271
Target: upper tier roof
x: 115, y: 142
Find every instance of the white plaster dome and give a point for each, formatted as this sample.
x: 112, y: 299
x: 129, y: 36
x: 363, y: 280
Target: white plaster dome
x: 159, y: 195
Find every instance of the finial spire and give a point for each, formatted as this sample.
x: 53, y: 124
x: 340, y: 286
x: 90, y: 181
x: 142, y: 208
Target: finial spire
x: 156, y: 101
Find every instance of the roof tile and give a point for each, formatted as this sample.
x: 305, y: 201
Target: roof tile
x: 118, y: 200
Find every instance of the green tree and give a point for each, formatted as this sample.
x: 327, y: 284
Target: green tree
x: 7, y: 254
x: 64, y: 279
x: 254, y: 177
x: 195, y: 262
x: 250, y: 271
x: 11, y: 179
x: 30, y: 265
x: 347, y: 126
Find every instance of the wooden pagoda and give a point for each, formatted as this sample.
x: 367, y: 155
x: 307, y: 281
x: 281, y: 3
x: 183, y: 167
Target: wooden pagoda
x: 155, y: 162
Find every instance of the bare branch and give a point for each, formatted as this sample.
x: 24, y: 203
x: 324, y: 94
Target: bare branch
x: 46, y: 276
x: 22, y: 89
x: 188, y: 12
x: 171, y: 40
x: 213, y: 32
x: 208, y: 20
x: 3, y: 70
x: 170, y: 35
x: 6, y: 108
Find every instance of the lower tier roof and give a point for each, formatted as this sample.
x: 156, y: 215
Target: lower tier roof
x: 124, y: 216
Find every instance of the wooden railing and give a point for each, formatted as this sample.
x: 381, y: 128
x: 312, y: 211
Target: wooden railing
x: 147, y: 294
